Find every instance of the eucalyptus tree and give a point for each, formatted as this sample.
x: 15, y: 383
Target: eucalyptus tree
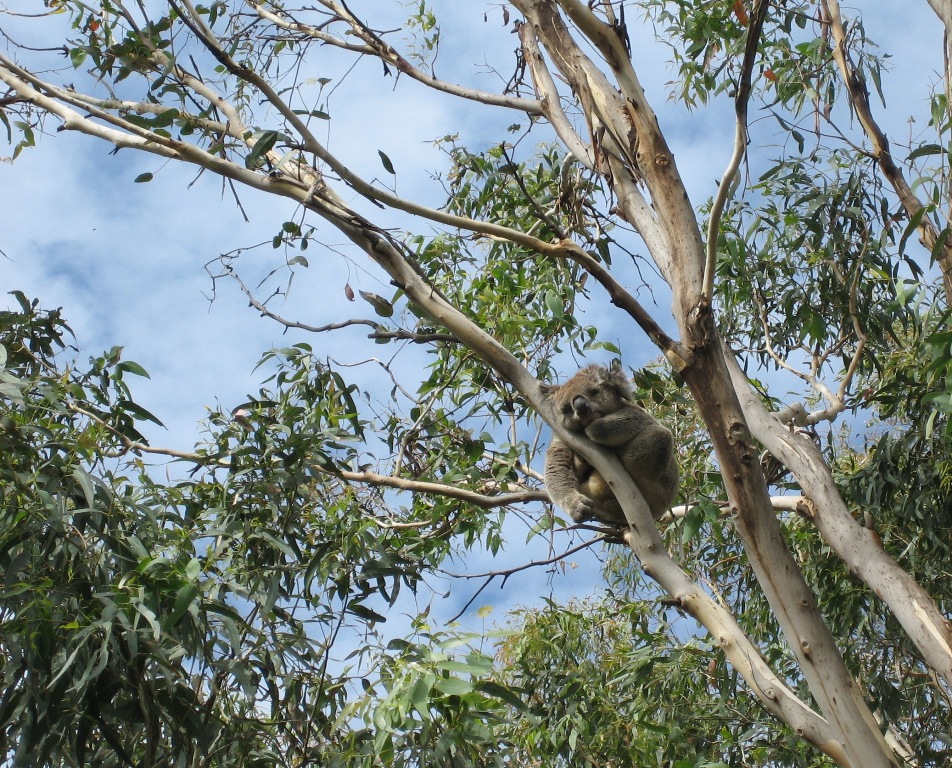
x: 826, y: 260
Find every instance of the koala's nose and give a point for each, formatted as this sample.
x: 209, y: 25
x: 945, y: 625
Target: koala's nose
x: 581, y: 406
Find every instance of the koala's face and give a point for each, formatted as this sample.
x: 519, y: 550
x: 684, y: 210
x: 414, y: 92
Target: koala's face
x: 590, y: 394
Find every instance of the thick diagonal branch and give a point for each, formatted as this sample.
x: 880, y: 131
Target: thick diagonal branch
x: 856, y: 545
x: 635, y: 149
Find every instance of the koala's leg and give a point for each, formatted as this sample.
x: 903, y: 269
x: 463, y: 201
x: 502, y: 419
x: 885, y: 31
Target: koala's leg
x: 561, y: 481
x: 654, y: 448
x: 594, y: 486
x: 650, y: 460
x: 646, y: 448
x: 605, y: 507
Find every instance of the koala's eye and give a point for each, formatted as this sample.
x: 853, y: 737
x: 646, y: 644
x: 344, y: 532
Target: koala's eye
x: 592, y: 392
x: 566, y: 409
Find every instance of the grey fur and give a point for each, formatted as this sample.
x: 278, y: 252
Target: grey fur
x: 598, y: 402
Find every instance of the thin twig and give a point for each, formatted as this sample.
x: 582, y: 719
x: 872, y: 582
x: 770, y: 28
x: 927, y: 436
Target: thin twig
x: 139, y: 447
x: 510, y: 571
x: 757, y: 16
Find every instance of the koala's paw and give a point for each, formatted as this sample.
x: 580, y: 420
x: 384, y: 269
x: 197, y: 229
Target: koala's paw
x: 579, y: 507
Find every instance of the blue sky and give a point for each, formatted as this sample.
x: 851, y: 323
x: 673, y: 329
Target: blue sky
x: 126, y: 260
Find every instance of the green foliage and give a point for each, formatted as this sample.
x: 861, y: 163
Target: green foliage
x: 143, y: 622
x: 707, y: 46
x: 620, y: 682
x: 425, y: 33
x: 911, y: 449
x: 435, y: 702
x: 240, y: 613
x: 817, y: 227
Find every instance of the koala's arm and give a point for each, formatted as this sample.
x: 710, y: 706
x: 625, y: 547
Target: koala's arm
x: 562, y: 483
x: 646, y: 448
x: 651, y: 461
x: 618, y: 427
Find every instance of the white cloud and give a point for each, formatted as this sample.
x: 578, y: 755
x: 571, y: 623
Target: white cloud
x: 126, y: 260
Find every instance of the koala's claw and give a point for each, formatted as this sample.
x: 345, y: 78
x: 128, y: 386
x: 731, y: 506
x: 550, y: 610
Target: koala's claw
x: 580, y: 507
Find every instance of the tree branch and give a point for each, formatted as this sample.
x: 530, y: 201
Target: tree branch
x: 859, y: 96
x: 441, y: 489
x: 137, y: 447
x: 373, y: 45
x: 757, y: 17
x: 856, y: 545
x: 370, y: 478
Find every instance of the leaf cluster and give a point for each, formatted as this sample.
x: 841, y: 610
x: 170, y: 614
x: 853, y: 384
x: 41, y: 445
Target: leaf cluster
x: 148, y: 622
x: 809, y: 266
x: 619, y: 682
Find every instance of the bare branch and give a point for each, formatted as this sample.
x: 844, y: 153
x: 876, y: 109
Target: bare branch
x: 265, y: 312
x: 756, y: 24
x: 441, y: 489
x: 375, y: 46
x: 507, y: 572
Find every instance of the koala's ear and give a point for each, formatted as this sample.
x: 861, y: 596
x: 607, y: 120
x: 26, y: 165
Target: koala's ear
x: 548, y: 390
x: 618, y: 379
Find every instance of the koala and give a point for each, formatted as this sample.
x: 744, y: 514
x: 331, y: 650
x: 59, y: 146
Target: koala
x: 598, y: 402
